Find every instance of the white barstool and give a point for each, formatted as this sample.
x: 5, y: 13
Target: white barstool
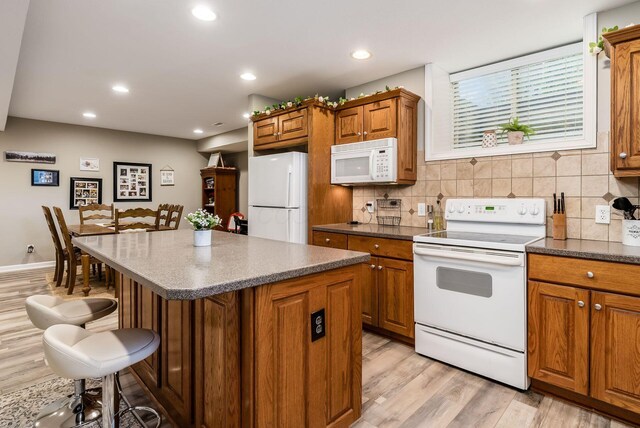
x: 75, y: 353
x: 83, y: 405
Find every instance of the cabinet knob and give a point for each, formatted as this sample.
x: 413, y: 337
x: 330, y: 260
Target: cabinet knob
x: 623, y: 155
x: 376, y: 246
x: 590, y: 274
x: 359, y: 133
x: 372, y: 266
x: 327, y: 240
x: 597, y: 306
x: 275, y: 134
x: 379, y: 267
x: 365, y: 132
x: 580, y: 304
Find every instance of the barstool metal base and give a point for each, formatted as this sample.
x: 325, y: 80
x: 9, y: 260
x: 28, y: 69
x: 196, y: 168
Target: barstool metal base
x: 72, y: 411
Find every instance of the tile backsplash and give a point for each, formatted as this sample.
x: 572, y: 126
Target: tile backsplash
x: 583, y: 176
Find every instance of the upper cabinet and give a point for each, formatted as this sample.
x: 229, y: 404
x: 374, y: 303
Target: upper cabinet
x: 390, y: 114
x: 623, y: 48
x: 285, y: 128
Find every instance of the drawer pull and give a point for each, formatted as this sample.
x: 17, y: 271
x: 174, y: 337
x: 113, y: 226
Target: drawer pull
x: 373, y: 266
x: 623, y: 155
x: 590, y: 274
x: 376, y: 246
x: 379, y: 267
x: 597, y: 306
x: 327, y: 240
x: 580, y: 304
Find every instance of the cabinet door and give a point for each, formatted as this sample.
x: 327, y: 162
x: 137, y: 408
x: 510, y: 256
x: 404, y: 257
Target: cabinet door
x: 148, y: 305
x: 370, y: 293
x: 293, y: 125
x: 407, y: 139
x: 265, y: 131
x: 349, y: 125
x: 380, y: 119
x: 558, y: 335
x: 127, y: 312
x: 395, y: 296
x: 300, y: 382
x: 615, y: 350
x: 625, y: 107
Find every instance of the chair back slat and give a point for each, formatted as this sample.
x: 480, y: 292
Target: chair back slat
x: 52, y: 229
x: 164, y: 214
x: 100, y: 212
x: 64, y: 230
x: 136, y: 214
x: 175, y: 215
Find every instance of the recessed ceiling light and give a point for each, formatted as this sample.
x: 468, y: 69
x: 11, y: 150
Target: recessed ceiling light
x: 198, y: 131
x: 361, y: 54
x: 203, y: 13
x: 248, y: 76
x: 121, y: 89
x: 246, y: 115
x: 218, y: 124
x: 89, y: 115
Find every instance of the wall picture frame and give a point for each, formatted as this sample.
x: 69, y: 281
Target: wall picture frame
x: 132, y: 182
x: 31, y: 157
x: 89, y: 164
x: 84, y: 191
x: 167, y: 177
x: 45, y: 177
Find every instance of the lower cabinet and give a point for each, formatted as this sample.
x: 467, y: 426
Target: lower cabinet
x: 395, y: 296
x: 585, y: 340
x: 369, y: 294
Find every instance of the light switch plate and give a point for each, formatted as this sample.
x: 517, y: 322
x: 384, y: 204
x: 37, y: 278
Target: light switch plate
x: 370, y: 206
x: 603, y: 214
x: 422, y: 209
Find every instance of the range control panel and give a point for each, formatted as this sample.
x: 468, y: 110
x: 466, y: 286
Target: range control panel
x: 512, y: 210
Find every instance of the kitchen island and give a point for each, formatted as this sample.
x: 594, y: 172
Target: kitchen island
x: 254, y: 332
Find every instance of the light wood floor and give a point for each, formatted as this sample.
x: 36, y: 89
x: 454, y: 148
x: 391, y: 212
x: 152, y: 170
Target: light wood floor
x: 400, y: 387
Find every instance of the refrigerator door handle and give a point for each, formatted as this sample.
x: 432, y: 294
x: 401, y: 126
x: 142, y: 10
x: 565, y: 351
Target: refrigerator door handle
x: 289, y: 173
x: 288, y: 225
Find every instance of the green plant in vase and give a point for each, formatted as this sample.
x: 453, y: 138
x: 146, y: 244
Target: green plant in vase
x: 516, y: 131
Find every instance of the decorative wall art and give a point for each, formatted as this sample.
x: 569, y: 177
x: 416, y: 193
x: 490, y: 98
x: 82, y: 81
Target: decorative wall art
x: 45, y: 177
x: 89, y: 164
x: 167, y: 176
x: 85, y: 191
x: 131, y: 181
x: 15, y: 156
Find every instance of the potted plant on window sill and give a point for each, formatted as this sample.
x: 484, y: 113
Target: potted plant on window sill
x: 516, y: 131
x: 202, y: 223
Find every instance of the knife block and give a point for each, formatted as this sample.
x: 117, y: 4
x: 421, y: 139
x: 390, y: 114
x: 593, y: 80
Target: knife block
x: 559, y: 230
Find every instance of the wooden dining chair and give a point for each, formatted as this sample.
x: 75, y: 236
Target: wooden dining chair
x: 175, y: 216
x: 133, y: 220
x: 95, y: 212
x: 164, y: 214
x: 72, y: 254
x: 60, y: 253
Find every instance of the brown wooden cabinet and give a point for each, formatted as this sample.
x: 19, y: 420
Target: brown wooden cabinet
x: 583, y: 337
x: 220, y: 192
x: 385, y: 115
x: 265, y: 131
x: 387, y: 286
x: 623, y: 48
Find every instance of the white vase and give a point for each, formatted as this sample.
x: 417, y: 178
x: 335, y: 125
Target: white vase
x: 631, y: 232
x: 201, y: 238
x: 515, y: 137
x: 489, y: 139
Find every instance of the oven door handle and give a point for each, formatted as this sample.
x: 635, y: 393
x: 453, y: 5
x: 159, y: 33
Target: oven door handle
x: 473, y: 257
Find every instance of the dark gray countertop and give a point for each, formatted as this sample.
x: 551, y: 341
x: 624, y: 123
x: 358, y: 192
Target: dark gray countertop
x: 169, y: 264
x: 585, y: 249
x: 405, y: 233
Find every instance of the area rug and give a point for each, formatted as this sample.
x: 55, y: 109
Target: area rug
x: 19, y: 408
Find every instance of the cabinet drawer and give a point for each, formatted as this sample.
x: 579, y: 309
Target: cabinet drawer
x: 609, y: 276
x: 329, y: 239
x: 385, y: 247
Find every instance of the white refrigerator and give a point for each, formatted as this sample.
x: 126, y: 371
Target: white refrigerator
x: 278, y: 197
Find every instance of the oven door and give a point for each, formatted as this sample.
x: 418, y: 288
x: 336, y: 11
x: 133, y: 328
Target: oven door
x: 477, y: 293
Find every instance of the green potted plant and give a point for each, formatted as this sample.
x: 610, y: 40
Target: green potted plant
x: 516, y: 131
x: 202, y: 223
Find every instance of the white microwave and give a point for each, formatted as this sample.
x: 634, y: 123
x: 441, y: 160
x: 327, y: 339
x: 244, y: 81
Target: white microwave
x: 368, y: 162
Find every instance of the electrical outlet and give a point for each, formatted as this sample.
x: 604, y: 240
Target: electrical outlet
x: 31, y: 248
x: 422, y: 209
x: 603, y: 214
x: 370, y: 206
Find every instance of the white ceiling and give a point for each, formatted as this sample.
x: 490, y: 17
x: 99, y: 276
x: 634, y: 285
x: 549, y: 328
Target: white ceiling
x: 183, y: 73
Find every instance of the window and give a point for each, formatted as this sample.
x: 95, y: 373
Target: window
x: 553, y: 91
x: 546, y: 94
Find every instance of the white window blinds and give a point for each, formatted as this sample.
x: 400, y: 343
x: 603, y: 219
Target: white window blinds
x: 544, y: 91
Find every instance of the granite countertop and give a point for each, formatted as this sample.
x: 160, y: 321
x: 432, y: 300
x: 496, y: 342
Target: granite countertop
x: 585, y: 249
x: 405, y: 233
x: 169, y: 264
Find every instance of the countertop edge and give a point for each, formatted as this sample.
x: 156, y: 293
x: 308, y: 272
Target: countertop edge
x: 194, y: 294
x: 579, y: 254
x: 363, y: 233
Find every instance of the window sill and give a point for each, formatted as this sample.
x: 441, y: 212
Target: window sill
x: 504, y: 150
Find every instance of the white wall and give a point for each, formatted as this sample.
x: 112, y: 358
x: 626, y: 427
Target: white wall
x: 21, y: 219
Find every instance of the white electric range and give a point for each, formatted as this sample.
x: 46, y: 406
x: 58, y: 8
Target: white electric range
x: 470, y: 288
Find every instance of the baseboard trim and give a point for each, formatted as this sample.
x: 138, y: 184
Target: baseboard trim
x: 27, y: 266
